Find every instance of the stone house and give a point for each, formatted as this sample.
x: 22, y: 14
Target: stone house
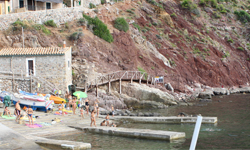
x: 52, y: 64
x: 16, y: 6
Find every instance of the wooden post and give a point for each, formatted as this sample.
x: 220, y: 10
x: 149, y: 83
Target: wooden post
x: 120, y: 86
x: 109, y: 87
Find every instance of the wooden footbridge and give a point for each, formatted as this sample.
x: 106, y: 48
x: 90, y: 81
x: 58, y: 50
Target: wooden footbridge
x: 120, y: 76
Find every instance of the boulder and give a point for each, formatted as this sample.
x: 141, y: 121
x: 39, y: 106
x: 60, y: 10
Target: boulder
x: 140, y: 114
x: 166, y: 17
x: 206, y: 95
x: 169, y: 87
x: 220, y: 91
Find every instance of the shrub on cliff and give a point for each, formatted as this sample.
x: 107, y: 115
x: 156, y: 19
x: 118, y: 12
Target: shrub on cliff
x: 99, y: 28
x: 91, y: 5
x: 75, y: 36
x: 50, y: 23
x: 192, y: 7
x: 42, y: 28
x: 243, y: 16
x: 121, y: 24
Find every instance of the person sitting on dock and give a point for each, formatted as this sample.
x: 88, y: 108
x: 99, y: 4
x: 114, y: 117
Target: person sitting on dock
x: 6, y: 111
x: 107, y: 119
x: 18, y: 111
x: 93, y: 121
x: 29, y: 111
x: 103, y: 123
x: 113, y: 125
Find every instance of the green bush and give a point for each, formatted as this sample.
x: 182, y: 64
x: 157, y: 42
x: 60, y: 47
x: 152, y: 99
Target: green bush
x: 91, y: 5
x: 153, y: 2
x: 173, y: 15
x: 20, y: 23
x: 214, y: 3
x: 155, y: 23
x: 216, y: 15
x: 75, y: 36
x: 227, y: 54
x: 42, y: 28
x: 130, y: 11
x: 50, y: 23
x: 137, y: 26
x: 121, y: 24
x: 240, y: 48
x: 100, y: 29
x: 202, y: 2
x: 66, y: 25
x: 192, y: 7
x: 221, y: 8
x: 103, y: 2
x: 158, y: 36
x: 242, y: 16
x: 143, y: 71
x: 82, y: 22
x: 230, y: 40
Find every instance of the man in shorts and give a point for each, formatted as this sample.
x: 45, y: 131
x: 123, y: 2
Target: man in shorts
x: 18, y: 111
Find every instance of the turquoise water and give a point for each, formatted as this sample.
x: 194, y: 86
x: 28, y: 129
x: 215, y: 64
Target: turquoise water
x: 231, y: 132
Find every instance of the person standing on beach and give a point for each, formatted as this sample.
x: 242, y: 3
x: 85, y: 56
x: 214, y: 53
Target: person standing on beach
x: 63, y: 108
x: 113, y: 111
x: 82, y: 115
x: 70, y: 101
x: 74, y: 106
x: 87, y: 106
x: 18, y: 111
x: 93, y: 118
x: 29, y: 111
x: 97, y: 108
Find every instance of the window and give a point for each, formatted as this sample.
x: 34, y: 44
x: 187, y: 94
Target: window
x: 48, y: 5
x: 21, y: 4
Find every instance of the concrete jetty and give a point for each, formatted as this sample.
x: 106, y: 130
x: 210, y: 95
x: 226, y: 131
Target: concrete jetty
x: 172, y: 119
x: 135, y: 133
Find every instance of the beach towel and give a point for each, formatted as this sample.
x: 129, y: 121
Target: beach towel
x: 45, y: 123
x: 38, y: 125
x: 69, y: 111
x: 32, y: 126
x: 7, y: 117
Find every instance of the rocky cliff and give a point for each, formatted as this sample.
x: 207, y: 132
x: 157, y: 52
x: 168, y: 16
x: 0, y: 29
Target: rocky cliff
x: 198, y: 44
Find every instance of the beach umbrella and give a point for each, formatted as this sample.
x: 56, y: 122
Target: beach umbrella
x: 80, y: 94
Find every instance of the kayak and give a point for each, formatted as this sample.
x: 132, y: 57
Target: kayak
x: 57, y: 100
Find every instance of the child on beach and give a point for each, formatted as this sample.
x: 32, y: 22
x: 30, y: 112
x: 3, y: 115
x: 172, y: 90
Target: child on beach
x: 93, y: 118
x: 113, y: 111
x: 107, y: 119
x: 82, y: 115
x: 29, y: 111
x: 6, y: 111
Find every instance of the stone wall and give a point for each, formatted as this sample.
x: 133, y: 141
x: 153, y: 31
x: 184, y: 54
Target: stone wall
x: 60, y: 16
x: 53, y: 68
x: 22, y: 84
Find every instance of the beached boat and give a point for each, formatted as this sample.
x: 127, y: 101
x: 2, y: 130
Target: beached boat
x: 42, y: 105
x: 57, y: 100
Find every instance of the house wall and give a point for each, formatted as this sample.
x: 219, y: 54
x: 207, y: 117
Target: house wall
x: 57, y: 5
x: 41, y: 5
x: 68, y: 68
x: 51, y: 68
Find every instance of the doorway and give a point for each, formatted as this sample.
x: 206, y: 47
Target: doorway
x: 30, y: 66
x: 31, y: 5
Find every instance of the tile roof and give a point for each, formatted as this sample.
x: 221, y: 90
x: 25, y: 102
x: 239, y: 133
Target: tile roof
x: 33, y: 51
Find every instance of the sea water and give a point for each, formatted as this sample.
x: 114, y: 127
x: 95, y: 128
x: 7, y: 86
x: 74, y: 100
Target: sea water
x: 231, y: 132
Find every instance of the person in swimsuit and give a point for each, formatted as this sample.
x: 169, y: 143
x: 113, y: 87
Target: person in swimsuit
x: 6, y: 111
x: 103, y: 123
x: 113, y: 111
x: 74, y: 106
x: 93, y: 118
x: 63, y: 108
x: 29, y: 111
x: 113, y: 125
x: 18, y: 111
x: 87, y: 106
x: 97, y: 108
x: 70, y: 101
x: 82, y: 115
x: 107, y: 119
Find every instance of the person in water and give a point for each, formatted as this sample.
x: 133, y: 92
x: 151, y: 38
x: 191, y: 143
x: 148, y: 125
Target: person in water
x: 18, y: 111
x: 82, y: 115
x: 107, y: 119
x: 29, y: 111
x: 87, y: 106
x: 93, y: 121
x: 6, y: 111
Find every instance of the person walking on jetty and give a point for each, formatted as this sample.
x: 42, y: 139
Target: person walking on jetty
x: 113, y: 111
x: 93, y: 121
x: 74, y: 106
x: 87, y: 106
x: 29, y: 111
x: 107, y: 119
x: 6, y: 111
x: 17, y: 111
x: 82, y: 114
